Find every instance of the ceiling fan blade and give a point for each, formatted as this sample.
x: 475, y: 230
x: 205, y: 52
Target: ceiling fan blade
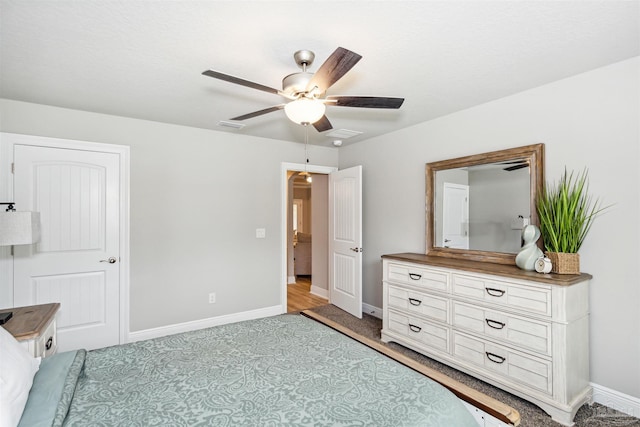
x: 323, y: 124
x: 514, y: 162
x: 365, y: 101
x: 516, y: 167
x: 259, y: 112
x: 336, y: 66
x: 241, y: 82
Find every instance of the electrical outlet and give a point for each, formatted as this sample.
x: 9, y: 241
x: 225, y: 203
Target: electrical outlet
x: 212, y: 298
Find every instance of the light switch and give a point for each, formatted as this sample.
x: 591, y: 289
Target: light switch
x: 261, y: 233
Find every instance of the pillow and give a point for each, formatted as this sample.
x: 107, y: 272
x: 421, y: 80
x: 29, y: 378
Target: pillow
x: 17, y: 368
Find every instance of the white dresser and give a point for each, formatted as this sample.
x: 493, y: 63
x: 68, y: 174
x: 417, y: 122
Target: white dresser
x: 524, y: 332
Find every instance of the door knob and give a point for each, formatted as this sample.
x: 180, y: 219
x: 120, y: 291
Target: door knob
x: 111, y: 260
x: 356, y: 249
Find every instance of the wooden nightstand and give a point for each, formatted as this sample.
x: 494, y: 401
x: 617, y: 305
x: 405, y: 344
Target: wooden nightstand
x: 34, y: 327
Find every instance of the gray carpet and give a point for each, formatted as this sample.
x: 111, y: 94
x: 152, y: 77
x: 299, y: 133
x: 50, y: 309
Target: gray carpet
x: 595, y: 415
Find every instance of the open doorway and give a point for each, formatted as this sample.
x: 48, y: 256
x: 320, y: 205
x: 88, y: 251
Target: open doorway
x: 305, y: 236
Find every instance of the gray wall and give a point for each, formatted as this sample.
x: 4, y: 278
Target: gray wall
x: 197, y: 197
x: 588, y: 120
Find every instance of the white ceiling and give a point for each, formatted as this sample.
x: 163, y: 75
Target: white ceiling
x: 144, y: 59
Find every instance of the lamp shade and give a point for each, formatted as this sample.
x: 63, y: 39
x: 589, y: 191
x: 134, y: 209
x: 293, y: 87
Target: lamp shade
x: 304, y: 110
x: 19, y: 228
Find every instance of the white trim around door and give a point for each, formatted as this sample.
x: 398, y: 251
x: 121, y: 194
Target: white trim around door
x: 8, y: 140
x: 297, y: 167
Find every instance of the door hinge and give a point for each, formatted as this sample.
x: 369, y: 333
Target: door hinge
x: 13, y: 168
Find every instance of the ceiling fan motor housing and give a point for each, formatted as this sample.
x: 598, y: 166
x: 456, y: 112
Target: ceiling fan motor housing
x: 296, y: 83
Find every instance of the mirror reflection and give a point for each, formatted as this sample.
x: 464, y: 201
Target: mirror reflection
x: 482, y: 207
x: 477, y: 205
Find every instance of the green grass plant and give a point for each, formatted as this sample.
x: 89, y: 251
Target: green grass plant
x: 566, y: 212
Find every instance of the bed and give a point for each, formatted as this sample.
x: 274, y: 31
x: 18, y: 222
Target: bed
x: 278, y: 371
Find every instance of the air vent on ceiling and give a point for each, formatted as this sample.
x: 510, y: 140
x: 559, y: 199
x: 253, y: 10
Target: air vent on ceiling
x: 233, y: 125
x: 342, y: 133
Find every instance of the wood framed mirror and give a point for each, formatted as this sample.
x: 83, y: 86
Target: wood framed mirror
x: 499, y: 190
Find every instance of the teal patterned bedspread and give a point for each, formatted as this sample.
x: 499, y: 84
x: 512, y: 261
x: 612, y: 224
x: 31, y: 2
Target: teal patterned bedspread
x: 285, y: 370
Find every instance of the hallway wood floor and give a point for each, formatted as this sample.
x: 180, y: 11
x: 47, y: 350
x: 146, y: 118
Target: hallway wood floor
x: 299, y: 296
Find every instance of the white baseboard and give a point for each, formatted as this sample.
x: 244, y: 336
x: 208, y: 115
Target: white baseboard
x: 372, y: 310
x: 291, y: 280
x: 614, y: 399
x: 203, y: 323
x: 321, y: 292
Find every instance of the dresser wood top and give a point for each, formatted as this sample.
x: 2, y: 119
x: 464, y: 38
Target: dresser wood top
x: 490, y: 268
x: 31, y: 321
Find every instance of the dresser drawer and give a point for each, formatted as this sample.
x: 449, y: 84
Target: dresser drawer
x: 420, y: 331
x: 514, y: 296
x: 518, y: 367
x: 414, y: 302
x: 526, y: 333
x: 418, y: 276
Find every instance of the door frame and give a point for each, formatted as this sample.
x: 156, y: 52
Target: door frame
x: 123, y: 152
x: 284, y: 185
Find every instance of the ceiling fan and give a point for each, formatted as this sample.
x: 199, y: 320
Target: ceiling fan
x: 517, y: 164
x: 305, y: 90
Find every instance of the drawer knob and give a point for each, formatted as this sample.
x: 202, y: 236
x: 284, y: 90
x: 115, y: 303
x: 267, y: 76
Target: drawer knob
x: 49, y: 343
x: 414, y: 301
x: 415, y: 276
x: 495, y: 292
x: 415, y: 328
x: 495, y: 358
x: 495, y: 324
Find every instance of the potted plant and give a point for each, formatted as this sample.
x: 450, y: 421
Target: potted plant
x: 566, y: 212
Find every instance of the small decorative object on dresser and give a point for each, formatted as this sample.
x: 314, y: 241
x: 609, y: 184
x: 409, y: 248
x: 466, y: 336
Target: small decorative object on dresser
x: 530, y: 252
x: 35, y: 328
x: 524, y: 332
x: 543, y: 265
x: 566, y: 213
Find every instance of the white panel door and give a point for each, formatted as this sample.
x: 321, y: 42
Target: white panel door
x: 455, y: 216
x: 345, y: 240
x: 76, y: 262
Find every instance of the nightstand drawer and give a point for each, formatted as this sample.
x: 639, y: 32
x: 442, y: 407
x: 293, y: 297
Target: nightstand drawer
x: 47, y: 344
x: 35, y: 328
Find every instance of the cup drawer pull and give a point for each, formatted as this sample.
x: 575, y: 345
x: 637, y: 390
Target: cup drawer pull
x: 495, y: 324
x: 415, y: 328
x: 495, y: 358
x: 495, y: 292
x: 49, y: 343
x: 414, y: 301
x: 415, y: 276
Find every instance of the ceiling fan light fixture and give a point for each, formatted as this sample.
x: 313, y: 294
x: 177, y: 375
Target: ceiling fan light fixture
x: 304, y: 110
x: 306, y: 175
